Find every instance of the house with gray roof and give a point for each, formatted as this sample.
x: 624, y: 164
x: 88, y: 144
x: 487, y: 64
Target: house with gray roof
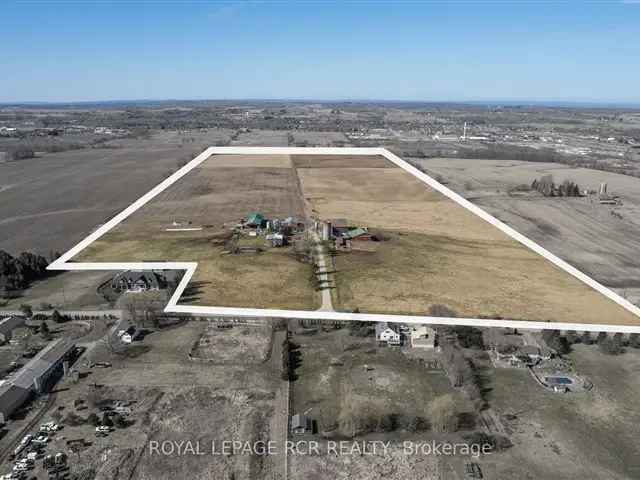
x: 134, y: 281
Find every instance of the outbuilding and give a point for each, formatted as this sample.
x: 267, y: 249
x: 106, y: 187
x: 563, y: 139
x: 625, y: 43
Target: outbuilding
x: 7, y: 325
x: 256, y: 220
x: 301, y: 424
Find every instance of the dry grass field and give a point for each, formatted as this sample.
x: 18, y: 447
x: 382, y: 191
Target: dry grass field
x: 274, y: 279
x: 51, y: 202
x: 235, y: 346
x: 601, y: 240
x: 435, y: 249
x: 212, y: 197
x: 341, y: 161
x: 589, y: 435
x: 174, y: 399
x: 434, y: 252
x: 394, y: 465
x: 343, y: 378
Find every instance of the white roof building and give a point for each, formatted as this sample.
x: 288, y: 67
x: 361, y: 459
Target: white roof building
x: 423, y: 336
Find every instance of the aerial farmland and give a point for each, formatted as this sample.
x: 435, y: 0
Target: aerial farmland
x: 389, y: 244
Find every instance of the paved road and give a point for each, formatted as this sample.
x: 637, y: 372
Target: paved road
x: 71, y: 313
x: 280, y: 418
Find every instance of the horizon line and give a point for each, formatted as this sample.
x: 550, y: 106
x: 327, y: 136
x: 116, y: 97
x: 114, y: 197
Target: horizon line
x: 488, y: 102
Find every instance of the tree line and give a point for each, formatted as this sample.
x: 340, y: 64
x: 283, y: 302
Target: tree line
x: 547, y: 187
x: 17, y: 273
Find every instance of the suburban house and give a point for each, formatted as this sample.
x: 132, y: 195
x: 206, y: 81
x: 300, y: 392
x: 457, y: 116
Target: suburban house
x: 523, y: 354
x: 386, y: 334
x: 7, y: 325
x: 301, y: 424
x: 422, y: 336
x: 535, y: 353
x: 132, y: 281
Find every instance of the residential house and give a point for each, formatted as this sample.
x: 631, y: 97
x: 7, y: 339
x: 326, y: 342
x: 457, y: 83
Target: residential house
x: 129, y: 335
x: 132, y: 281
x: 386, y: 334
x: 535, y: 353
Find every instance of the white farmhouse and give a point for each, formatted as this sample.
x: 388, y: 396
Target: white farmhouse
x: 386, y: 334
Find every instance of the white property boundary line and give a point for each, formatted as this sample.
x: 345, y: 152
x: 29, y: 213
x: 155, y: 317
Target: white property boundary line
x: 63, y: 263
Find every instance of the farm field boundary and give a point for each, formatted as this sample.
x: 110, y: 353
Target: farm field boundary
x: 65, y: 263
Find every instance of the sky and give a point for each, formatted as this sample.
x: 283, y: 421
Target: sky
x: 331, y: 50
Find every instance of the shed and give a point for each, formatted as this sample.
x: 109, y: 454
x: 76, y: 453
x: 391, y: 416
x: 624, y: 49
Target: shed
x: 357, y: 234
x: 301, y: 424
x: 275, y: 239
x: 423, y: 336
x: 339, y: 226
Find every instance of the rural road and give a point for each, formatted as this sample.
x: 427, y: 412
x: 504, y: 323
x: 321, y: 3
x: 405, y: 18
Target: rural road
x: 71, y: 313
x: 280, y: 418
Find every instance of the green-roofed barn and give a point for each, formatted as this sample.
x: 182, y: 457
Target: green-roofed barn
x: 256, y: 220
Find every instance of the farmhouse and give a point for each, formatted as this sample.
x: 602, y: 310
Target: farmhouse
x: 7, y: 325
x: 131, y: 281
x: 386, y: 334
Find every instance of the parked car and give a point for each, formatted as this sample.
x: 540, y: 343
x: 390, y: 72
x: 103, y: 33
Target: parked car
x: 49, y: 427
x: 14, y: 476
x: 48, y: 462
x: 102, y: 431
x: 41, y: 439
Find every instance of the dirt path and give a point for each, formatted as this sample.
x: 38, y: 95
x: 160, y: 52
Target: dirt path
x: 325, y: 284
